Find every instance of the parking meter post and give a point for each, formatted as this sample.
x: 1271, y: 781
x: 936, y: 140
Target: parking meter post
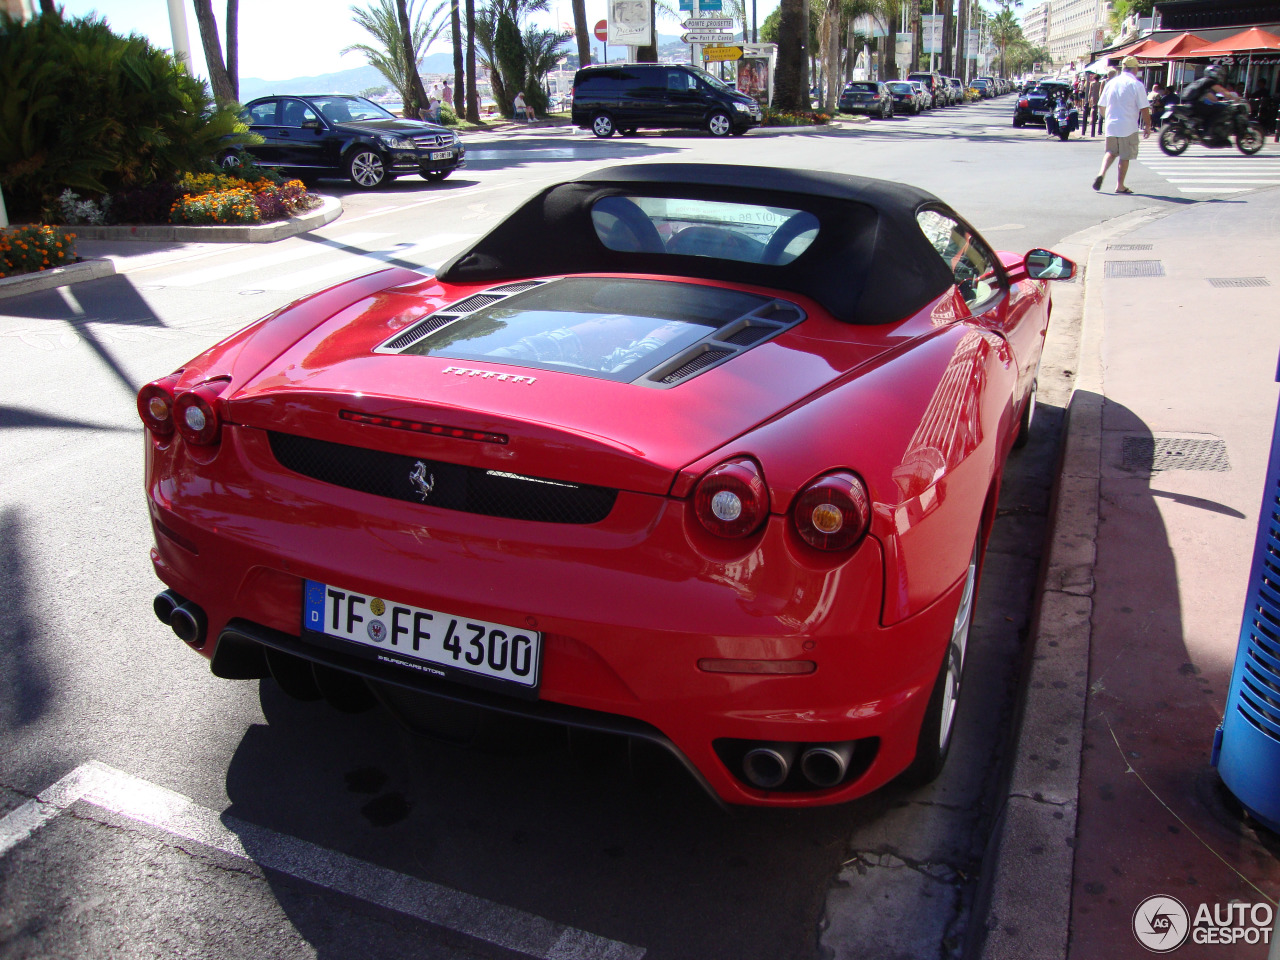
x: 1246, y: 745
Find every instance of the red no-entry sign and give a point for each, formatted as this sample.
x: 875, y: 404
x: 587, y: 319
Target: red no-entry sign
x: 602, y: 32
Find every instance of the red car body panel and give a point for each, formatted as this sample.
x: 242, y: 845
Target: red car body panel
x: 923, y: 410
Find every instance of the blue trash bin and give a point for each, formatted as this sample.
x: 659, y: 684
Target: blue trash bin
x: 1246, y: 746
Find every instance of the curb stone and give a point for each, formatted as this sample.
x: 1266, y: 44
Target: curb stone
x: 57, y: 277
x: 330, y: 209
x: 1023, y: 906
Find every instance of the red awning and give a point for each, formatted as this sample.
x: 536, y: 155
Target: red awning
x: 1252, y: 40
x: 1176, y: 48
x: 1131, y: 51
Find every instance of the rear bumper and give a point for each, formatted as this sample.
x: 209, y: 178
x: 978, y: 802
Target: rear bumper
x: 627, y: 609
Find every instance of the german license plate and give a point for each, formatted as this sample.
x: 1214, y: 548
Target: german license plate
x: 1039, y: 113
x: 440, y: 644
x: 441, y: 154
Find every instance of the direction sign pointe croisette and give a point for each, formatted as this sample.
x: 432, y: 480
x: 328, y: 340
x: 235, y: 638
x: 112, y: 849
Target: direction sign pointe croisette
x: 708, y: 23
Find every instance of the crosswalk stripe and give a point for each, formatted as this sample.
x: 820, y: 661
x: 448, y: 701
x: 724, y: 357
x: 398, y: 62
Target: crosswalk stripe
x: 194, y: 278
x: 333, y: 271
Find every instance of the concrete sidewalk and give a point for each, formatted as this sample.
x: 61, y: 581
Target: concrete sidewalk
x: 1170, y: 428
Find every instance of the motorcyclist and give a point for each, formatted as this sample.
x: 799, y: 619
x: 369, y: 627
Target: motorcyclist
x: 1207, y: 98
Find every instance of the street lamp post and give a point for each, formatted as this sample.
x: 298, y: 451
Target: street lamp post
x: 933, y: 23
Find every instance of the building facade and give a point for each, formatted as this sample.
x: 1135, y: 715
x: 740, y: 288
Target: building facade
x: 1077, y: 27
x: 19, y: 9
x: 1035, y: 24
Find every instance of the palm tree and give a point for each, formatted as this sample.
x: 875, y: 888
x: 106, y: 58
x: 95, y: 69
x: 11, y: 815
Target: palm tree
x: 541, y: 53
x: 382, y: 21
x: 473, y: 95
x: 580, y: 32
x: 1005, y: 30
x: 459, y: 79
x: 223, y: 74
x: 791, y: 75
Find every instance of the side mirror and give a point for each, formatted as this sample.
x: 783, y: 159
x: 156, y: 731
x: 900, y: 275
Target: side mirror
x: 311, y: 125
x: 1047, y: 265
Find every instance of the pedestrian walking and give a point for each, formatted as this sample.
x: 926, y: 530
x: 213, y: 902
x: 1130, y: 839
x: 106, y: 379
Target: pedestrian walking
x: 1124, y: 99
x: 1095, y: 90
x: 446, y: 95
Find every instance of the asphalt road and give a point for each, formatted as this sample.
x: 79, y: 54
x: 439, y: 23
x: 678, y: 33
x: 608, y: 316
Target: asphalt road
x: 195, y: 817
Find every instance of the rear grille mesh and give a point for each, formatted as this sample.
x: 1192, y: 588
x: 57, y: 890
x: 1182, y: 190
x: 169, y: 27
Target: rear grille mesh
x: 1259, y: 700
x: 474, y: 302
x: 420, y: 330
x: 455, y: 487
x: 701, y: 361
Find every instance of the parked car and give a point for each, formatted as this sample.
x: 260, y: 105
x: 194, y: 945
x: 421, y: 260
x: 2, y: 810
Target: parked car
x: 906, y: 96
x: 715, y: 470
x: 933, y: 83
x: 956, y: 88
x: 923, y: 96
x: 346, y: 136
x: 867, y: 96
x: 1036, y: 105
x: 624, y: 97
x: 983, y: 86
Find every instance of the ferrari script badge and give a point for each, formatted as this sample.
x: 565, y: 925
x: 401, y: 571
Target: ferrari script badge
x: 422, y: 481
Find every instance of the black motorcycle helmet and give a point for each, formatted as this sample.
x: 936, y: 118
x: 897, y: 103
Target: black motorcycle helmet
x: 1216, y: 74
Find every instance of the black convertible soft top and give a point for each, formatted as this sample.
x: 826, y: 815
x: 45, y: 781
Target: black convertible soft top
x: 870, y: 262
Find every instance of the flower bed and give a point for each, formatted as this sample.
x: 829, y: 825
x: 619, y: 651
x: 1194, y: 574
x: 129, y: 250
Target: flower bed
x: 798, y: 118
x: 33, y: 248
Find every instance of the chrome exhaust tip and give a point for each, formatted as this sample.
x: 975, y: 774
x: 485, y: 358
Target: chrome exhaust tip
x: 165, y: 603
x: 826, y: 765
x: 768, y: 765
x: 189, y: 623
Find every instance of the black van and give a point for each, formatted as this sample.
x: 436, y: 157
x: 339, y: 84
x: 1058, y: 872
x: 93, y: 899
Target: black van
x: 627, y: 96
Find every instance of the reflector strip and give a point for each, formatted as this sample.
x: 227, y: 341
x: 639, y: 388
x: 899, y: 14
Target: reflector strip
x: 758, y: 666
x: 417, y: 426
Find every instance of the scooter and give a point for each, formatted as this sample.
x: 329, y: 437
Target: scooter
x: 1179, y: 129
x: 1064, y: 119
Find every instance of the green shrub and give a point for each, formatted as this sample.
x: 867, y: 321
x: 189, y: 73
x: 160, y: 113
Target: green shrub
x: 447, y: 116
x: 797, y: 118
x: 33, y: 248
x: 85, y: 109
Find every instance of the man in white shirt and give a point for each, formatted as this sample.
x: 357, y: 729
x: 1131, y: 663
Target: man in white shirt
x: 1124, y: 99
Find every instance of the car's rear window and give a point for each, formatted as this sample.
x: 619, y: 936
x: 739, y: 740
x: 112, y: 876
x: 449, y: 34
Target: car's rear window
x: 609, y: 328
x: 745, y: 232
x: 860, y: 88
x: 901, y: 88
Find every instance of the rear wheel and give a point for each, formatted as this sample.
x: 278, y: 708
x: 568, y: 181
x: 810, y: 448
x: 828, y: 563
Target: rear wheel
x: 602, y: 126
x: 1249, y: 140
x: 1174, y: 140
x: 1018, y: 121
x: 719, y: 124
x: 934, y: 741
x: 230, y: 161
x: 365, y: 168
x: 1028, y: 414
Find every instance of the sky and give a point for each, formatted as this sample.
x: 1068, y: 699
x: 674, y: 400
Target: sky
x: 283, y: 39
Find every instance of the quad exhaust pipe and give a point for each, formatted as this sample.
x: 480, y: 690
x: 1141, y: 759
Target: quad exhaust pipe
x: 185, y: 618
x: 768, y: 765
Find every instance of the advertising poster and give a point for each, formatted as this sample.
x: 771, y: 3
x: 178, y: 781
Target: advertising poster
x: 753, y: 78
x: 931, y: 33
x: 629, y: 22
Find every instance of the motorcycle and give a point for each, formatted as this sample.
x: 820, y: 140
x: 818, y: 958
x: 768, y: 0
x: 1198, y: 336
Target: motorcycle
x: 1180, y: 129
x: 1063, y: 120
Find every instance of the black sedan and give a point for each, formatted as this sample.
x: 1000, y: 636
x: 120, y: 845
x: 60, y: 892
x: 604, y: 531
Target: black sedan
x: 905, y: 97
x: 336, y: 134
x: 1037, y: 103
x: 869, y: 97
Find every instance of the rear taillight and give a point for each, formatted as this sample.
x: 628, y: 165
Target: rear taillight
x: 155, y: 404
x: 833, y: 512
x: 1023, y: 104
x: 732, y: 500
x: 195, y: 412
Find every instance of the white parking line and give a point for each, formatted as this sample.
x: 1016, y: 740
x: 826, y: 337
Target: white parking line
x: 127, y: 796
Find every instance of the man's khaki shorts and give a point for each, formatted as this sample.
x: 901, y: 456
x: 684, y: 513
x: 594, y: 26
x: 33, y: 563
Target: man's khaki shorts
x: 1126, y: 148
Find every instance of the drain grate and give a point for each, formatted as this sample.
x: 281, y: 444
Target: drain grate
x: 1130, y: 246
x: 1133, y: 268
x: 1152, y: 454
x: 1239, y: 282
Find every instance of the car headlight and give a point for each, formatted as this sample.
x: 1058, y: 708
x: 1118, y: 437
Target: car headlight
x: 396, y: 143
x: 741, y: 107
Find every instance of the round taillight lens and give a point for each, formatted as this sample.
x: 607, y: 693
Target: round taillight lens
x: 732, y: 500
x: 196, y: 415
x: 155, y: 405
x: 833, y: 512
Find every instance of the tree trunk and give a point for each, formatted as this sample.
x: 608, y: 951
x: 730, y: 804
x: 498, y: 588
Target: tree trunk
x: 889, y: 60
x: 917, y: 37
x: 473, y: 93
x: 791, y: 75
x: 233, y: 47
x: 831, y: 71
x: 649, y: 54
x: 417, y: 94
x: 948, y: 37
x: 223, y: 91
x: 962, y: 29
x: 581, y: 33
x: 459, y: 78
x: 47, y: 8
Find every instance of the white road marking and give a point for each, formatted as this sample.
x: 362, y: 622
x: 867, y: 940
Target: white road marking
x: 127, y: 796
x: 334, y: 270
x: 194, y: 278
x: 1251, y: 181
x: 1213, y: 189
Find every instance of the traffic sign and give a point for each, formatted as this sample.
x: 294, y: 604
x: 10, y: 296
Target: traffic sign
x: 602, y: 31
x: 721, y: 54
x: 709, y: 23
x: 703, y: 37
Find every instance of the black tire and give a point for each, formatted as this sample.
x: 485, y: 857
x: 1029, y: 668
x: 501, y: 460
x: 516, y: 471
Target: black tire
x: 1174, y: 140
x: 1017, y: 122
x: 435, y: 176
x: 602, y: 126
x: 1063, y: 134
x: 1250, y: 140
x: 366, y: 168
x: 934, y: 742
x: 1028, y: 414
x: 719, y: 124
